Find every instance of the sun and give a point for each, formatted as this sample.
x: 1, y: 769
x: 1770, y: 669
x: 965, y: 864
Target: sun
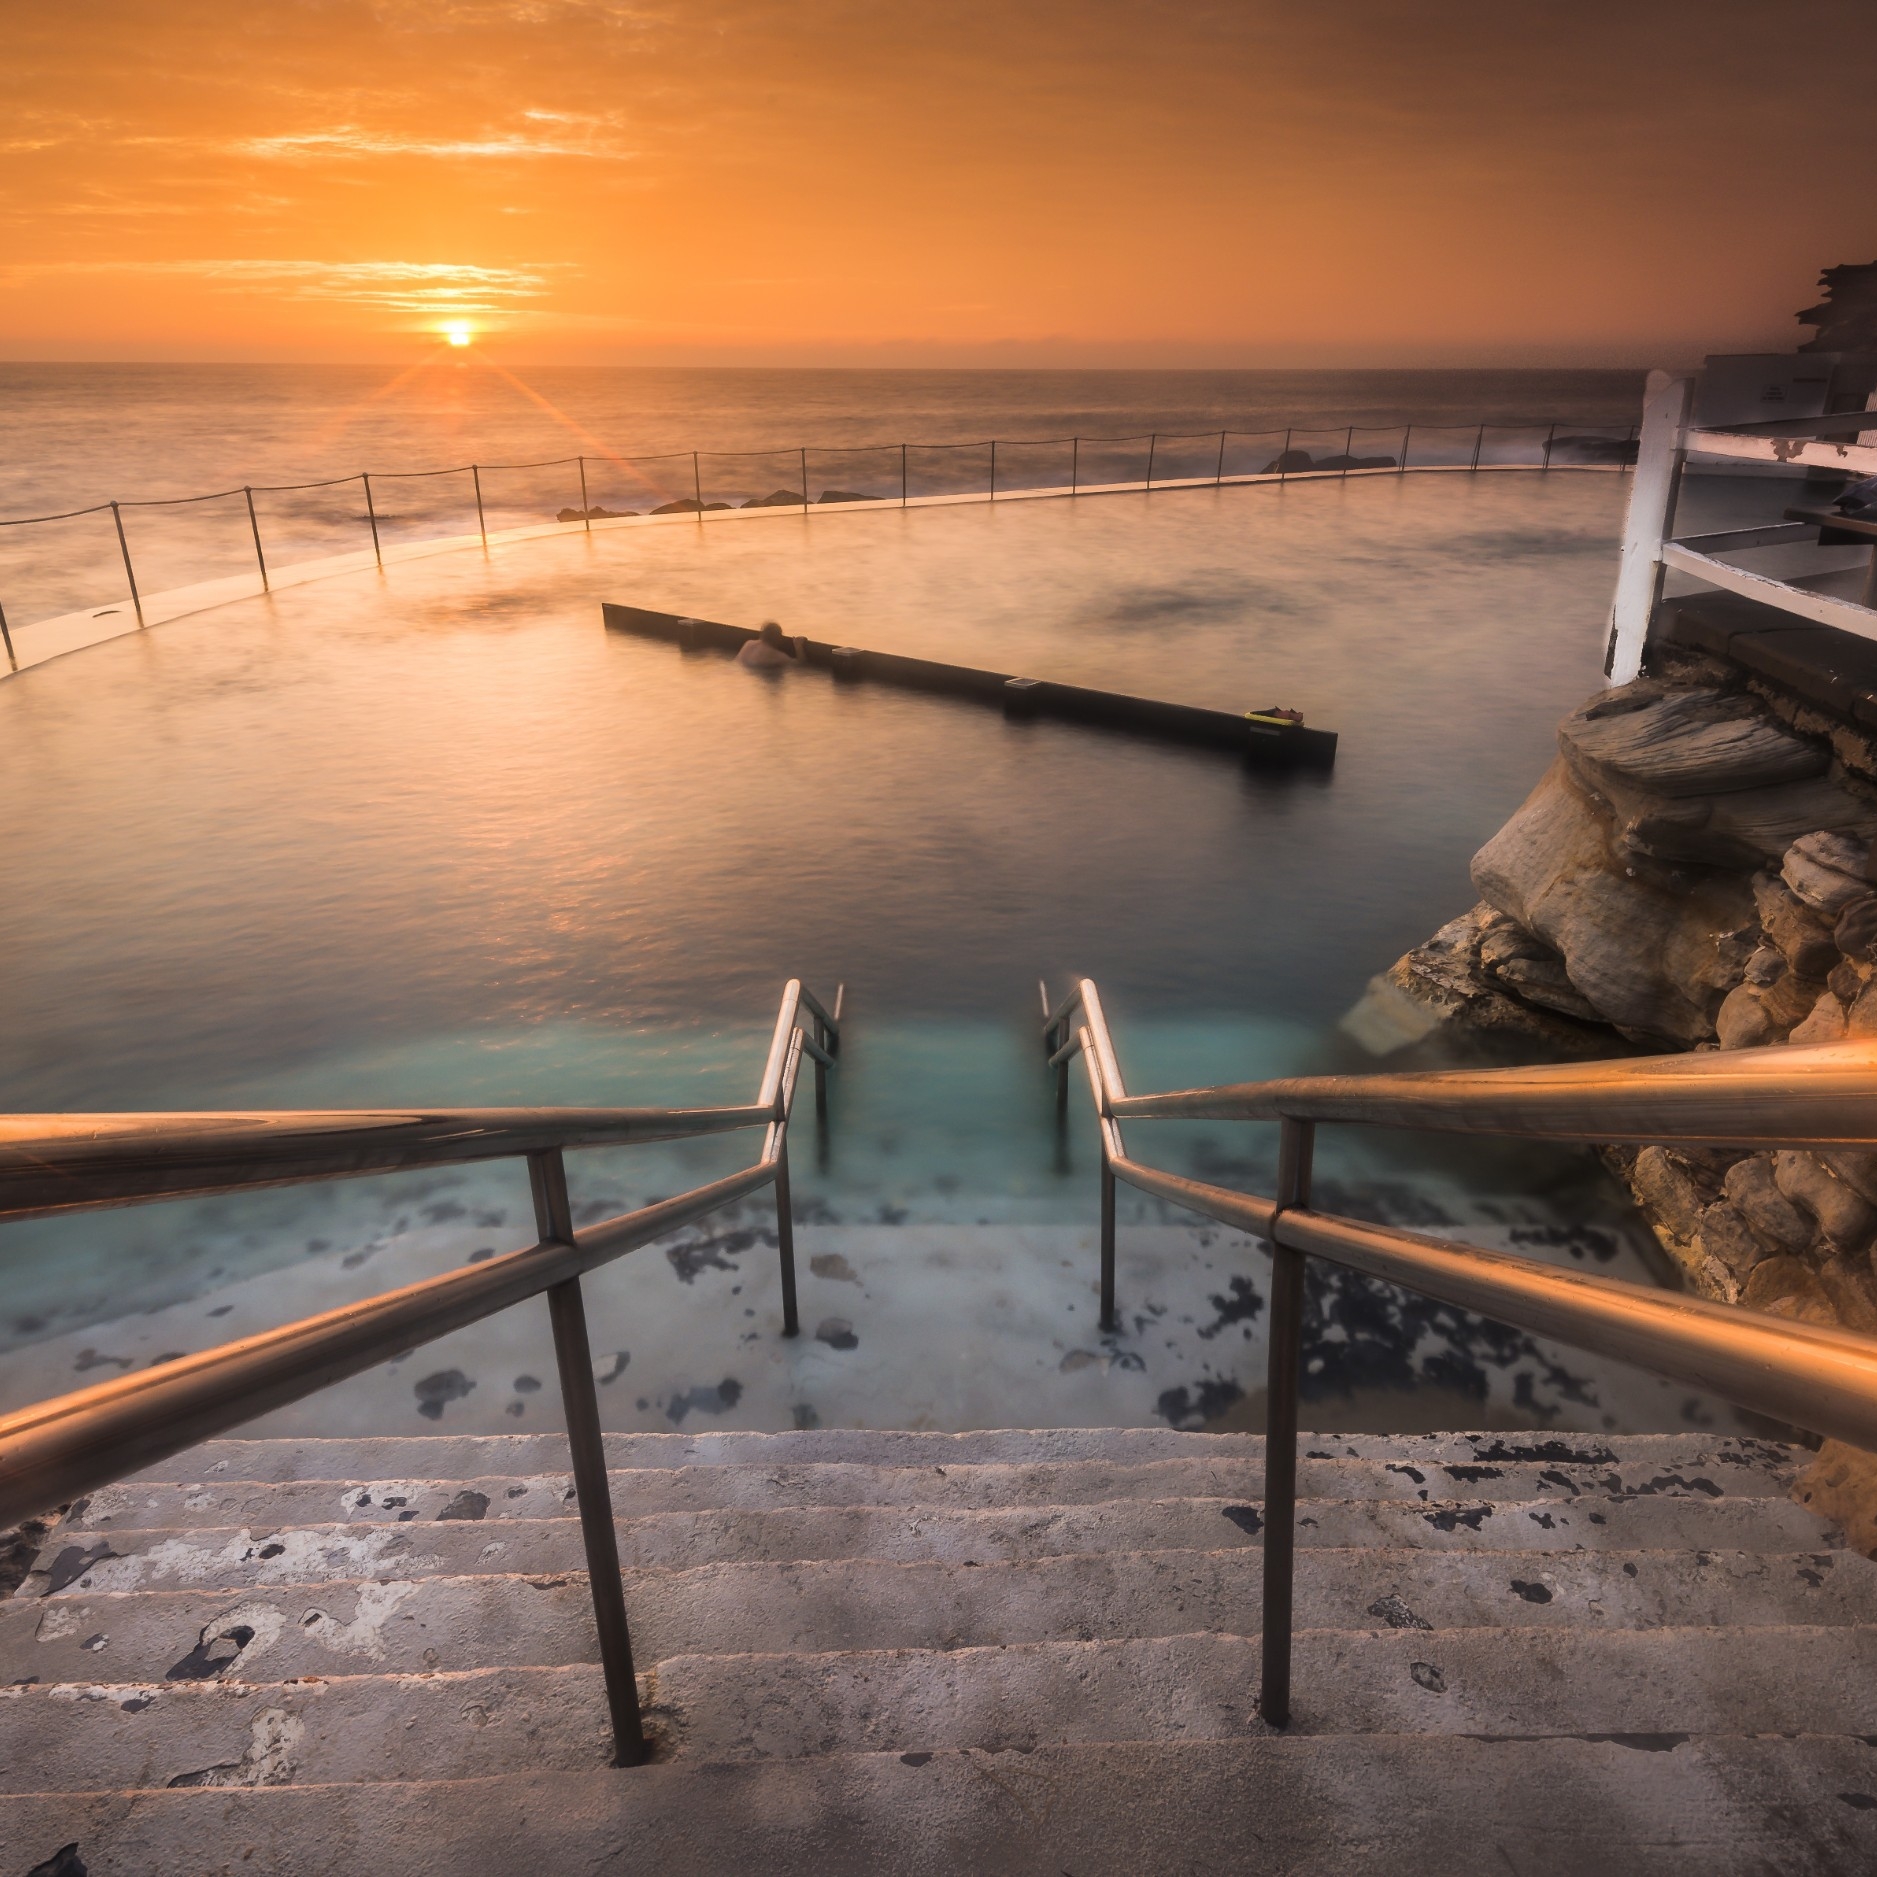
x: 459, y: 332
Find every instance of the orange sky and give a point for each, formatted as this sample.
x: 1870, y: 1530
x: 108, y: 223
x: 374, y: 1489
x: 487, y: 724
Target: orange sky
x: 1263, y: 182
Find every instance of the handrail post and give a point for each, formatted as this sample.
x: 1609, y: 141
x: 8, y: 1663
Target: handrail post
x: 371, y: 515
x: 482, y: 526
x: 804, y: 482
x: 902, y: 475
x: 697, y: 487
x: 1479, y: 443
x: 1075, y: 465
x: 1283, y: 462
x: 1349, y: 447
x: 584, y: 505
x: 1280, y: 1426
x: 255, y: 526
x: 785, y: 1241
x: 1218, y: 475
x: 1153, y: 443
x: 6, y: 639
x: 1407, y: 432
x: 130, y: 573
x: 547, y: 1175
x: 993, y: 469
x: 1109, y: 1325
x: 1549, y: 435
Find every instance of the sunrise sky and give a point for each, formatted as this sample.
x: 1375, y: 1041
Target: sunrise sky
x: 1264, y: 182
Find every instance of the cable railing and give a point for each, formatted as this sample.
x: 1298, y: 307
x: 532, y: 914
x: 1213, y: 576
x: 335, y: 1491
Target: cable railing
x: 55, y: 1450
x: 612, y: 489
x: 1804, y: 1096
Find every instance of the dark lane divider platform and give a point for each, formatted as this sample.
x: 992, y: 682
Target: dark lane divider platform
x: 1256, y: 736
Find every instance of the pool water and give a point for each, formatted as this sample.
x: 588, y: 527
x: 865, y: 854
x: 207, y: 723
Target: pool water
x: 433, y: 836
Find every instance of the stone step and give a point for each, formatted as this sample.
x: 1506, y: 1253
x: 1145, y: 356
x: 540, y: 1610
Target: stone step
x: 120, y: 1560
x: 320, y: 1497
x: 277, y: 1632
x: 1341, y: 1806
x: 517, y: 1455
x: 1522, y: 1684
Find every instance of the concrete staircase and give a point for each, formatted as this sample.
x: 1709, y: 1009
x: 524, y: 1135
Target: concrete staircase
x: 886, y: 1652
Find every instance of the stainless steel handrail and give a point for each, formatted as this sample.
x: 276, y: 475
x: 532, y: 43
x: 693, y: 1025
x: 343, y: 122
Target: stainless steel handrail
x: 57, y: 1449
x: 1818, y: 1095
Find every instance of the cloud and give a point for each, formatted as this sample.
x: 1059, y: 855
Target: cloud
x: 396, y: 286
x: 350, y: 140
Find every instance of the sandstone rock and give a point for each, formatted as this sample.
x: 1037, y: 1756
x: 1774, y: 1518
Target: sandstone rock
x: 1752, y: 1191
x: 1510, y: 956
x: 1846, y: 1282
x: 1686, y: 742
x: 1803, y: 939
x: 1824, y: 1024
x: 1846, y: 980
x: 1725, y: 1238
x: 1847, y: 1219
x: 1653, y: 962
x: 1767, y: 965
x: 1738, y: 829
x: 1841, y: 1485
x: 1743, y: 1020
x: 1856, y: 1168
x: 1855, y: 934
x: 1826, y: 869
x: 1785, y: 1287
x: 1861, y: 1019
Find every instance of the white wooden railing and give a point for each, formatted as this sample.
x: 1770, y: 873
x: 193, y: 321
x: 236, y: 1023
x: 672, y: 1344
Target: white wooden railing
x: 1669, y: 437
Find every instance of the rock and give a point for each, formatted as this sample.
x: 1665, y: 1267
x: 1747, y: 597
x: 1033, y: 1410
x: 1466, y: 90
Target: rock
x: 1824, y: 1024
x: 687, y: 506
x: 1676, y: 1195
x: 1847, y: 1219
x: 1826, y: 869
x: 780, y: 498
x: 843, y: 495
x: 1766, y: 965
x: 1855, y: 934
x: 1751, y: 1190
x: 1743, y: 1020
x: 1841, y: 1485
x: 1785, y: 1287
x: 1846, y: 1282
x: 1803, y: 939
x: 1686, y: 743
x: 1510, y: 956
x: 1724, y: 1237
x: 1857, y: 1168
x: 1441, y: 987
x: 1846, y: 980
x: 1655, y: 962
x: 1288, y: 463
x: 597, y: 514
x: 1861, y: 1018
x: 1354, y: 462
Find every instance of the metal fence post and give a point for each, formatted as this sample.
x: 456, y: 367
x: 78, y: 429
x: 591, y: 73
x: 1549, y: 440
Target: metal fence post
x: 993, y: 469
x: 255, y: 526
x: 584, y: 515
x: 1153, y: 443
x: 482, y: 527
x: 804, y: 482
x: 6, y: 638
x: 1405, y: 435
x: 902, y: 475
x: 1283, y: 457
x: 547, y: 1175
x: 1280, y: 1427
x: 1549, y: 434
x: 130, y: 573
x: 697, y: 486
x: 1218, y: 475
x: 1349, y: 448
x: 1479, y: 443
x: 371, y: 515
x: 1075, y: 465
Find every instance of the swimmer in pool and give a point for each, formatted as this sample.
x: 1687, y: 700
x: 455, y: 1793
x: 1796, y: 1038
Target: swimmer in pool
x: 768, y: 651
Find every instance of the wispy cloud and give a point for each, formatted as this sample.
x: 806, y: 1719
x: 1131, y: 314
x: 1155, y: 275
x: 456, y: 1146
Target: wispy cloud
x: 425, y: 287
x: 344, y: 140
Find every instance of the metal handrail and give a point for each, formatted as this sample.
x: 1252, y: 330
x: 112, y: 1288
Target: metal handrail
x: 1821, y: 1095
x: 57, y: 1449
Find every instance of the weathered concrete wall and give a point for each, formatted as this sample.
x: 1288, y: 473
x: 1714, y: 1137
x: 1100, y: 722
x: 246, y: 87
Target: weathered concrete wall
x: 1696, y: 870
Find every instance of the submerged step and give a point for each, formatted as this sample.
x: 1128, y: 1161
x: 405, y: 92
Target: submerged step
x: 275, y: 1632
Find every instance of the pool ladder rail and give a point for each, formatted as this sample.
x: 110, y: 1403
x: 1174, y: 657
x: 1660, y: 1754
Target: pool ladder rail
x: 1818, y: 1096
x: 55, y: 1450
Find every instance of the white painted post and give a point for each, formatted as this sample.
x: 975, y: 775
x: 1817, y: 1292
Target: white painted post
x: 1651, y: 503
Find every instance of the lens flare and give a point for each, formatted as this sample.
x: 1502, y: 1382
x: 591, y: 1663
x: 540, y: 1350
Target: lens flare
x: 459, y: 332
